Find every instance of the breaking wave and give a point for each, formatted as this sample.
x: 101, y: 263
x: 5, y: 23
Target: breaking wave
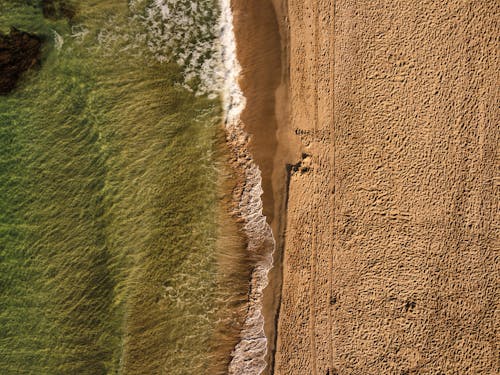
x: 187, y: 33
x: 248, y: 355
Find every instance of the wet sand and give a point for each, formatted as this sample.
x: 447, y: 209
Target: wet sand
x: 258, y: 49
x: 260, y: 31
x: 387, y: 117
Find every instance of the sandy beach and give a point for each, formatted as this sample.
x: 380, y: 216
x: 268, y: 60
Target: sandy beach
x: 261, y: 36
x: 376, y: 130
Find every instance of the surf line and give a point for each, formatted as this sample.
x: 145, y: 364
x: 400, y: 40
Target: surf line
x: 248, y: 356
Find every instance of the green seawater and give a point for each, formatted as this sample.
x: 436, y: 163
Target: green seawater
x: 109, y: 199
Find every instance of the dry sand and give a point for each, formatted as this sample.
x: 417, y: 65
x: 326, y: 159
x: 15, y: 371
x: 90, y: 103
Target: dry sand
x: 388, y: 226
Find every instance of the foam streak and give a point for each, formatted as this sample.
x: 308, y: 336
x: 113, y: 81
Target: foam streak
x: 248, y: 355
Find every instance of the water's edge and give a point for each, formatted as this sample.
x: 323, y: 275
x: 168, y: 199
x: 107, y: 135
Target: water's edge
x: 248, y: 356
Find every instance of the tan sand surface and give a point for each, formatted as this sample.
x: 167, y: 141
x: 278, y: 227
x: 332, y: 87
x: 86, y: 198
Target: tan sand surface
x: 259, y: 56
x: 390, y: 260
x: 261, y: 50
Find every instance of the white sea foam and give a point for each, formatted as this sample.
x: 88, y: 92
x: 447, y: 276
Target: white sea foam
x: 183, y: 32
x: 173, y: 31
x: 58, y: 40
x: 248, y: 357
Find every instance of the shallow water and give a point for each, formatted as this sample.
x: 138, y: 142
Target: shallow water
x: 111, y: 162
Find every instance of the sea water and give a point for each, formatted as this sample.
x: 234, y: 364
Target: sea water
x: 112, y: 187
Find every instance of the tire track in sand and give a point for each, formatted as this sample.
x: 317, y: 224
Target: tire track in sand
x: 312, y: 280
x: 332, y: 226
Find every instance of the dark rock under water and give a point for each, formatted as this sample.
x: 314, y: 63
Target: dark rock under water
x: 19, y: 52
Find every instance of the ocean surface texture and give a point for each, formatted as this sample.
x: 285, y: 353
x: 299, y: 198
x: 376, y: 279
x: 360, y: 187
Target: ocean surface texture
x: 114, y: 183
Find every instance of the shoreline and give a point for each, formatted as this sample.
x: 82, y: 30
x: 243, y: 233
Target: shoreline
x: 287, y: 154
x: 261, y: 33
x: 249, y: 353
